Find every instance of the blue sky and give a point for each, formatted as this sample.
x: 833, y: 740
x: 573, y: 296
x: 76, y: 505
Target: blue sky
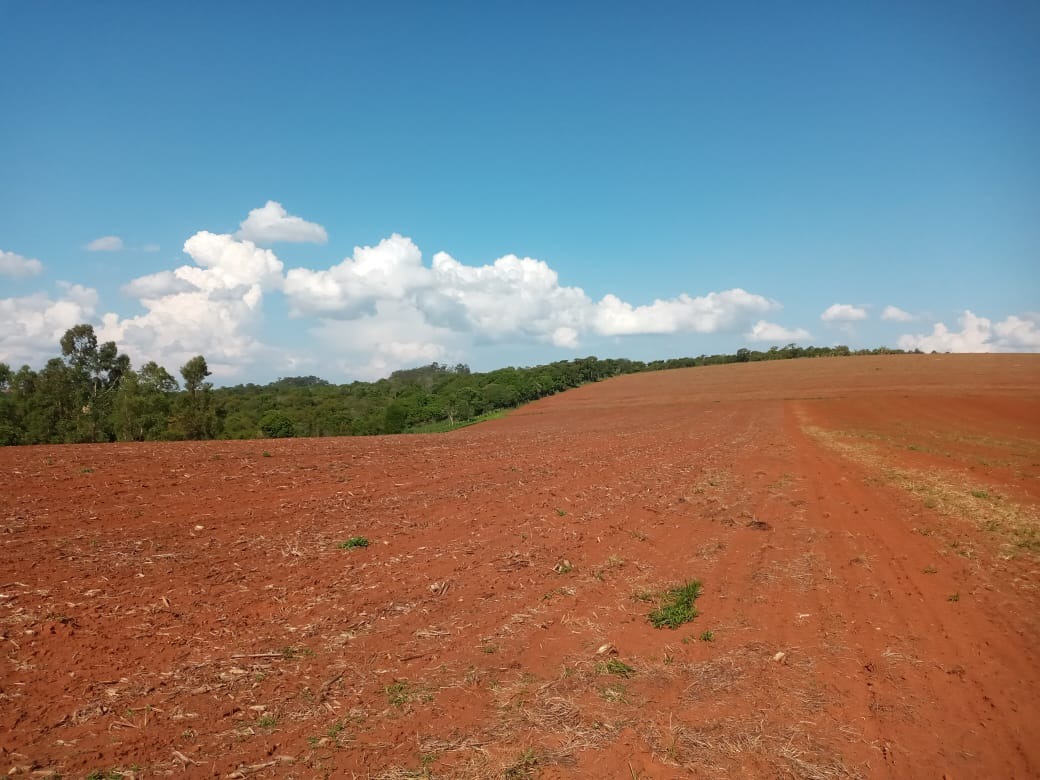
x: 600, y: 178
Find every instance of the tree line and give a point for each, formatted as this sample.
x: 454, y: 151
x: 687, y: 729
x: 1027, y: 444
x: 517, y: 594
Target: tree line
x: 92, y: 394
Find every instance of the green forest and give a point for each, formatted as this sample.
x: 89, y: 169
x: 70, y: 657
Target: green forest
x: 91, y: 393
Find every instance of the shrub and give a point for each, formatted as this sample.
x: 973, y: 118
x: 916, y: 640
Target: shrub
x: 276, y: 425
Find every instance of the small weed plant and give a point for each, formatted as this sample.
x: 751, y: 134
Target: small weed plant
x: 353, y: 543
x: 618, y: 667
x: 677, y: 606
x: 562, y: 591
x: 398, y: 693
x: 402, y: 692
x: 613, y: 562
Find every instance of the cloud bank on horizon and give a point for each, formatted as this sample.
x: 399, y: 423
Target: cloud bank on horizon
x: 383, y: 308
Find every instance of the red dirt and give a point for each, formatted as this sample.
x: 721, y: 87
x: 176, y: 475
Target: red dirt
x: 185, y: 608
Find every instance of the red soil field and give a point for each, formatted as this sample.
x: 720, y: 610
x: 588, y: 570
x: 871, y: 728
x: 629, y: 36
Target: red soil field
x: 865, y: 531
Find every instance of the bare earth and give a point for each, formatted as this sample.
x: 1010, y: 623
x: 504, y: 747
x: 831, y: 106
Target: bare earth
x: 865, y: 530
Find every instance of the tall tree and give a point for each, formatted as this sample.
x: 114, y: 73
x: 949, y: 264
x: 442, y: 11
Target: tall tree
x: 95, y: 371
x: 9, y: 417
x: 198, y: 419
x: 195, y: 372
x: 143, y: 404
x: 55, y: 407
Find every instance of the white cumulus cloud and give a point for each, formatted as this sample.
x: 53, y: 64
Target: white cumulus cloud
x: 224, y: 263
x: 34, y: 324
x: 843, y: 312
x: 565, y: 337
x: 1019, y: 334
x: 210, y: 308
x: 392, y: 269
x: 176, y: 327
x: 451, y: 306
x: 979, y: 334
x: 157, y: 285
x: 513, y: 297
x: 394, y: 335
x: 770, y: 331
x: 716, y: 311
x: 105, y: 244
x: 377, y: 310
x: 18, y: 267
x: 895, y: 314
x: 272, y: 223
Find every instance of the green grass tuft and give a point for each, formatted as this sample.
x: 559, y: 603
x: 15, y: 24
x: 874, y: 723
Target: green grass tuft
x: 353, y: 542
x: 402, y: 692
x: 677, y: 607
x: 618, y: 667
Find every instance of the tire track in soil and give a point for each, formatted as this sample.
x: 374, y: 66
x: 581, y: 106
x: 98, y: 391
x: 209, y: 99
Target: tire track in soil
x: 763, y: 588
x: 909, y: 644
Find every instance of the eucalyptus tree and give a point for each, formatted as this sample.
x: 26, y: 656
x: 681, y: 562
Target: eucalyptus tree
x: 144, y: 404
x: 94, y: 372
x: 198, y: 418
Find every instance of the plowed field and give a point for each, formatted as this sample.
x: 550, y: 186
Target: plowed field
x: 865, y: 531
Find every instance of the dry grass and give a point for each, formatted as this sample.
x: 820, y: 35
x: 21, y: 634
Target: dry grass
x: 748, y: 747
x: 583, y: 709
x: 806, y: 572
x: 708, y: 679
x: 945, y: 493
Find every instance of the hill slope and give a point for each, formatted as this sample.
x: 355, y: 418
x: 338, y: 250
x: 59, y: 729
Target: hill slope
x: 864, y: 529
